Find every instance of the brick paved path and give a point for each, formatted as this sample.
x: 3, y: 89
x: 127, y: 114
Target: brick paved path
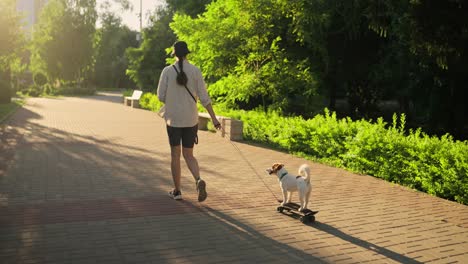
x: 84, y: 180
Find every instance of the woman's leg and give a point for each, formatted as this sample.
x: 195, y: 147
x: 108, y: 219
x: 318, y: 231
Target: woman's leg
x: 192, y: 162
x: 175, y: 166
x: 188, y: 140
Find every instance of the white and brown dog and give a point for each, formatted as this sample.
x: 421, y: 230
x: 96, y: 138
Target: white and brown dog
x: 290, y: 183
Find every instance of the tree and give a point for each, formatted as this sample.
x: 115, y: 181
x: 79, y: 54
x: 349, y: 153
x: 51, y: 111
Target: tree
x: 147, y: 61
x: 63, y: 39
x: 242, y: 48
x: 440, y: 36
x: 432, y: 36
x: 346, y: 53
x: 11, y: 43
x: 112, y: 39
x: 191, y: 8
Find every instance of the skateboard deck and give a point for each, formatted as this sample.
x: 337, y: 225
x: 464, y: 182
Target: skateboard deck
x: 305, y: 216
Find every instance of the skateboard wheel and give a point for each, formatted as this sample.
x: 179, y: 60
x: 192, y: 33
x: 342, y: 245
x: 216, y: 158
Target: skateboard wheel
x: 280, y: 209
x: 303, y: 219
x: 311, y: 218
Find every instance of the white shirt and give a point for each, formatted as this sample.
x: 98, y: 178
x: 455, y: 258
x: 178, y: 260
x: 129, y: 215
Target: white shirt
x: 181, y: 109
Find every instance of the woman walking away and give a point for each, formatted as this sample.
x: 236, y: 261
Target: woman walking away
x: 180, y: 85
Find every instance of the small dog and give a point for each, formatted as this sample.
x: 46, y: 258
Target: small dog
x: 290, y: 183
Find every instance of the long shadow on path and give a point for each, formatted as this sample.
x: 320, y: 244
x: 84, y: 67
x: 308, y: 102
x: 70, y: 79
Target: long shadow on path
x: 362, y: 243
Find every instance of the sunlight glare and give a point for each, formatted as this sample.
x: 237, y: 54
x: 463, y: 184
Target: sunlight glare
x: 131, y: 17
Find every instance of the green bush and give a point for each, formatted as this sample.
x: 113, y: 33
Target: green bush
x: 150, y: 101
x: 22, y: 87
x: 33, y: 90
x: 438, y: 166
x: 40, y: 79
x: 49, y: 89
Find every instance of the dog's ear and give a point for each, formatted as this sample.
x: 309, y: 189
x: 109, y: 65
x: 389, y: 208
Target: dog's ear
x: 277, y: 166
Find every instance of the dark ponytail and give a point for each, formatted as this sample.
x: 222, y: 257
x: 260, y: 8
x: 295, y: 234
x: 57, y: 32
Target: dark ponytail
x: 181, y: 76
x: 180, y: 51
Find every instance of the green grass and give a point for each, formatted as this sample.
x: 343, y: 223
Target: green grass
x: 7, y: 109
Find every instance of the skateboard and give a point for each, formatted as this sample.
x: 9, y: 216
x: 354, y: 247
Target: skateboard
x: 306, y: 216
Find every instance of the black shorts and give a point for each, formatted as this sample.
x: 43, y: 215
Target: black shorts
x: 188, y: 136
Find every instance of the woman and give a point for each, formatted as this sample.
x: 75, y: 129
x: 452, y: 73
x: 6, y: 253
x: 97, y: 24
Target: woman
x: 179, y: 87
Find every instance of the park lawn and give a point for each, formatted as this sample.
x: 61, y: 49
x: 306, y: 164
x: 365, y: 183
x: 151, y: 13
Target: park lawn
x: 7, y: 109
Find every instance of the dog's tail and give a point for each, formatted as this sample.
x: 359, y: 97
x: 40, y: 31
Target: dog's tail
x: 304, y: 171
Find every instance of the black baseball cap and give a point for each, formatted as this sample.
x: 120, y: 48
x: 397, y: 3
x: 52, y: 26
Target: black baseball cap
x: 180, y: 49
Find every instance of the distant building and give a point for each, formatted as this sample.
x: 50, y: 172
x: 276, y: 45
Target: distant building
x: 30, y: 10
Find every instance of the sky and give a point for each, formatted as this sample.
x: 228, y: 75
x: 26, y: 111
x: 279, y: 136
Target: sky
x: 131, y: 18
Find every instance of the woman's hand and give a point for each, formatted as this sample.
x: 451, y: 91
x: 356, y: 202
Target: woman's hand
x: 215, y: 121
x: 216, y: 124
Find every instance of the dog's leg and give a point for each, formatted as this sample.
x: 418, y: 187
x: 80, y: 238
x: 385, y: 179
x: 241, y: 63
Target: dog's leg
x: 285, y: 197
x: 307, y: 197
x: 289, y: 197
x: 301, y: 198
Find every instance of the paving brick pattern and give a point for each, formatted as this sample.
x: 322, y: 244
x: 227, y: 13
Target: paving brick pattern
x: 84, y: 180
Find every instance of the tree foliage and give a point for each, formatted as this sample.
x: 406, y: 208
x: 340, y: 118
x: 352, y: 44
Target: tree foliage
x: 189, y: 7
x: 111, y: 42
x: 283, y: 53
x: 147, y: 61
x: 11, y: 45
x: 292, y: 56
x: 11, y: 37
x: 242, y: 48
x: 433, y: 37
x: 63, y: 39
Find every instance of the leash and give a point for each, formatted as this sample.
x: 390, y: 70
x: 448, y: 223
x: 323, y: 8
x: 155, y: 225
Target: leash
x: 253, y: 169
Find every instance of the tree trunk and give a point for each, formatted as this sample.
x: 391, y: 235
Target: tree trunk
x: 5, y: 86
x: 332, y: 103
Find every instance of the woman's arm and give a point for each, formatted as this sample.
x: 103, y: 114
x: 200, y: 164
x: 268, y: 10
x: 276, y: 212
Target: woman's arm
x: 205, y: 99
x: 162, y: 86
x: 215, y: 121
